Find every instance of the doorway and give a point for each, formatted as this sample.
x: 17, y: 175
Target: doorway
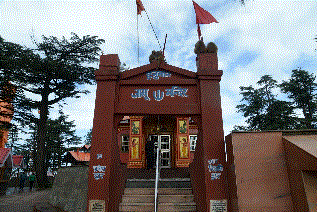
x: 165, y: 143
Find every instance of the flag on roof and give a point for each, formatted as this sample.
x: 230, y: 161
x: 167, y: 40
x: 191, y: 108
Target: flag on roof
x: 202, y: 17
x: 139, y: 7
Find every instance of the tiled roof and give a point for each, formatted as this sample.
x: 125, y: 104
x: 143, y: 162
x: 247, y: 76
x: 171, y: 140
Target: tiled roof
x: 80, y: 156
x: 4, y: 153
x: 17, y: 160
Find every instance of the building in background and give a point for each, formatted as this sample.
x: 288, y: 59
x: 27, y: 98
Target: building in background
x: 273, y: 171
x: 80, y: 157
x: 6, y: 112
x: 18, y: 162
x: 6, y: 166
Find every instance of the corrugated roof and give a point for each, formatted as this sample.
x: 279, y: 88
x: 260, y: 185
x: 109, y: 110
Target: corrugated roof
x: 4, y: 154
x: 80, y: 156
x: 17, y: 160
x: 307, y: 143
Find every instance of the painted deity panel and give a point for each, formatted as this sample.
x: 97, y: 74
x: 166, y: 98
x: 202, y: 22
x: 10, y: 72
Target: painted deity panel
x: 135, y: 147
x: 183, y: 144
x: 135, y: 130
x: 182, y: 126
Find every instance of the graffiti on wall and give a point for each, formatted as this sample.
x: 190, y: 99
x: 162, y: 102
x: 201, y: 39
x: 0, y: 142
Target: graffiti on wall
x: 215, y: 169
x: 99, y: 172
x: 159, y: 95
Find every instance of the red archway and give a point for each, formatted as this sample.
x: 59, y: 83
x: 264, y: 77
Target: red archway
x: 158, y: 89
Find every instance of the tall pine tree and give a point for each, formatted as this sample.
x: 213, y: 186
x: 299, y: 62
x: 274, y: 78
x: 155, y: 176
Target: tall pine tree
x: 47, y: 75
x: 301, y: 89
x: 262, y: 110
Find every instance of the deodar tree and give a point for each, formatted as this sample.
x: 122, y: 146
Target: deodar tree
x: 262, y: 110
x: 48, y: 75
x: 301, y: 89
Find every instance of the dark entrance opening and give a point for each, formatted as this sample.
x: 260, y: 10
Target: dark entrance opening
x: 164, y: 141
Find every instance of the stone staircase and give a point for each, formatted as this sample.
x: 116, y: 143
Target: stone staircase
x: 174, y: 194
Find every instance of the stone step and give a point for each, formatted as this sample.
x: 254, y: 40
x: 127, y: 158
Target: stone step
x: 176, y: 207
x: 161, y: 179
x: 161, y: 198
x: 161, y: 191
x: 163, y: 183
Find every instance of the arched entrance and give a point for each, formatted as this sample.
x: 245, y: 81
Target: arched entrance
x: 176, y: 137
x: 146, y: 94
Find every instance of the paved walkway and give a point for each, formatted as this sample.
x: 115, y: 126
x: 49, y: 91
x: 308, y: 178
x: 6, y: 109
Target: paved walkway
x: 23, y: 201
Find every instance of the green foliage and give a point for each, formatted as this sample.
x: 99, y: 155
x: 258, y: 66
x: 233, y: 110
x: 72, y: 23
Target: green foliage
x: 60, y: 134
x: 212, y: 48
x: 301, y: 89
x: 262, y: 110
x: 156, y: 56
x: 280, y: 116
x: 88, y: 137
x: 237, y: 128
x: 200, y: 47
x: 50, y: 73
x: 12, y: 58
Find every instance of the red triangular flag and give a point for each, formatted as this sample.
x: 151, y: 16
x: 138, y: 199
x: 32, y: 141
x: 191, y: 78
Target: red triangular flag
x: 203, y: 16
x: 139, y: 7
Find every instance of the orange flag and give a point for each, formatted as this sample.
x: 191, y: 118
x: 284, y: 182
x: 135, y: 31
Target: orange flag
x: 139, y: 6
x: 202, y: 17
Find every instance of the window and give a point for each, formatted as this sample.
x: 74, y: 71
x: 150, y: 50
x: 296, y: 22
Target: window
x: 125, y: 143
x: 192, y: 140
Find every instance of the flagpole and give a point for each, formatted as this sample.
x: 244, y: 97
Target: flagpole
x: 162, y: 53
x: 164, y: 44
x: 137, y: 28
x: 198, y: 31
x: 202, y: 17
x: 141, y: 8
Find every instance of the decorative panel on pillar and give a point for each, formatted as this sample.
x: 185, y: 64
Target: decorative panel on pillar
x: 182, y: 138
x: 136, y: 143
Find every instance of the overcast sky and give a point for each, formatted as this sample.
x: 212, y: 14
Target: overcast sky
x: 262, y: 37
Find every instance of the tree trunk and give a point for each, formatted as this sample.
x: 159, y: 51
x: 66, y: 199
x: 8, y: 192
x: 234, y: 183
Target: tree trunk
x: 60, y: 152
x: 41, y: 140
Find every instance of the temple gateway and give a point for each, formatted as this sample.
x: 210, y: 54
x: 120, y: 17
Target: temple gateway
x: 158, y: 107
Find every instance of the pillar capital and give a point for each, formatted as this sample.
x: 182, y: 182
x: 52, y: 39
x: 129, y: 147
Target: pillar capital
x: 207, y: 66
x: 108, y: 68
